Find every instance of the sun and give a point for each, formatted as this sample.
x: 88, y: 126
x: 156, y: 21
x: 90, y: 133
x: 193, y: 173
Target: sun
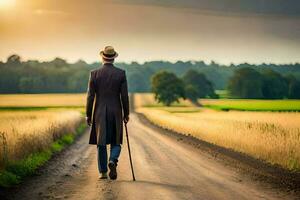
x: 7, y: 3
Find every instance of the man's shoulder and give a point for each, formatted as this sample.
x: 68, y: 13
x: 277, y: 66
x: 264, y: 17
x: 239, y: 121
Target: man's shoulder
x: 119, y: 70
x: 93, y: 71
x: 113, y: 69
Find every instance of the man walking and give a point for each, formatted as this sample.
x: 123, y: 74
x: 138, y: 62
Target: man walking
x: 108, y: 94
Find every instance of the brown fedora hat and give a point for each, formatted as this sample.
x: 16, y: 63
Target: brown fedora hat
x: 109, y: 53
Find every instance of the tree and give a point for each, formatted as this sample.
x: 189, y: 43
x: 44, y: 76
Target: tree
x: 275, y: 85
x: 31, y: 85
x: 246, y: 83
x: 14, y: 62
x: 293, y: 87
x: 77, y: 82
x: 137, y: 82
x: 59, y: 62
x: 191, y: 92
x: 197, y: 85
x: 14, y: 59
x: 167, y: 87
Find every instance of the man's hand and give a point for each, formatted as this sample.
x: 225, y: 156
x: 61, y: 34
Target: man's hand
x: 126, y: 119
x: 88, y: 121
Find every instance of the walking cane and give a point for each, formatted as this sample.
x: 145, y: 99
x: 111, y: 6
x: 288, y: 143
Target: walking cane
x: 133, y: 177
x: 129, y: 152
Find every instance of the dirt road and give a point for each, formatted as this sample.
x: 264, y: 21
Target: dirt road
x: 165, y: 169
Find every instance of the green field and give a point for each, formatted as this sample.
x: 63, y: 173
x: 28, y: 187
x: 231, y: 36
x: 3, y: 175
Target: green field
x: 252, y: 105
x: 223, y: 94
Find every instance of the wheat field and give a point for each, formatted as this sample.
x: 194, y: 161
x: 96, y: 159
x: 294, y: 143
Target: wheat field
x: 270, y: 136
x: 42, y: 100
x: 25, y: 132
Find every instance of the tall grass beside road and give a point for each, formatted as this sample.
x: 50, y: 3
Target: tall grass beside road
x: 32, y: 128
x: 29, y: 138
x: 270, y: 136
x: 25, y: 132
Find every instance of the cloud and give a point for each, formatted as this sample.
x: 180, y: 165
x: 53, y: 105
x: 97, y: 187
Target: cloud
x: 243, y: 7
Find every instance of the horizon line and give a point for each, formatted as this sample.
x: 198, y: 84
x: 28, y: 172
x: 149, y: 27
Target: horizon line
x: 207, y: 62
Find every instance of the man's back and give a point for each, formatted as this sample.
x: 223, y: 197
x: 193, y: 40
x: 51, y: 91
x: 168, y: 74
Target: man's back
x: 109, y: 85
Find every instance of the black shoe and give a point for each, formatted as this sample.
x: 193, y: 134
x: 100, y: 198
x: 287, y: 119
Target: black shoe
x: 113, y: 170
x: 103, y: 175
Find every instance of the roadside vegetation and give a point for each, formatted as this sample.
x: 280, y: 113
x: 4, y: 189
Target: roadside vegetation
x: 273, y: 137
x: 31, y: 132
x: 15, y: 171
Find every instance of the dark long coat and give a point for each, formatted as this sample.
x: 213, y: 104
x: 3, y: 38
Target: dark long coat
x: 107, y: 91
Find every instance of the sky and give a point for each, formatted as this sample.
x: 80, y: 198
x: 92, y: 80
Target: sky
x: 226, y: 31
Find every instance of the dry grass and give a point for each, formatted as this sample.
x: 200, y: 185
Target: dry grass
x: 274, y: 137
x: 42, y: 100
x: 25, y: 132
x: 147, y: 100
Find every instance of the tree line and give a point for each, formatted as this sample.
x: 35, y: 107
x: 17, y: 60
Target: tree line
x: 268, y: 84
x: 60, y: 76
x: 32, y: 76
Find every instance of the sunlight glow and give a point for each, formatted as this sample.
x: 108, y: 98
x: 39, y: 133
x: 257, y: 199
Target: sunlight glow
x: 7, y: 3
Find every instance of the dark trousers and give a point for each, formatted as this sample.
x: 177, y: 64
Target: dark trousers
x: 115, y: 151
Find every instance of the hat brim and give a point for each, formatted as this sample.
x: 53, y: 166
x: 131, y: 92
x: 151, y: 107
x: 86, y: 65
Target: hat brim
x: 108, y: 57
